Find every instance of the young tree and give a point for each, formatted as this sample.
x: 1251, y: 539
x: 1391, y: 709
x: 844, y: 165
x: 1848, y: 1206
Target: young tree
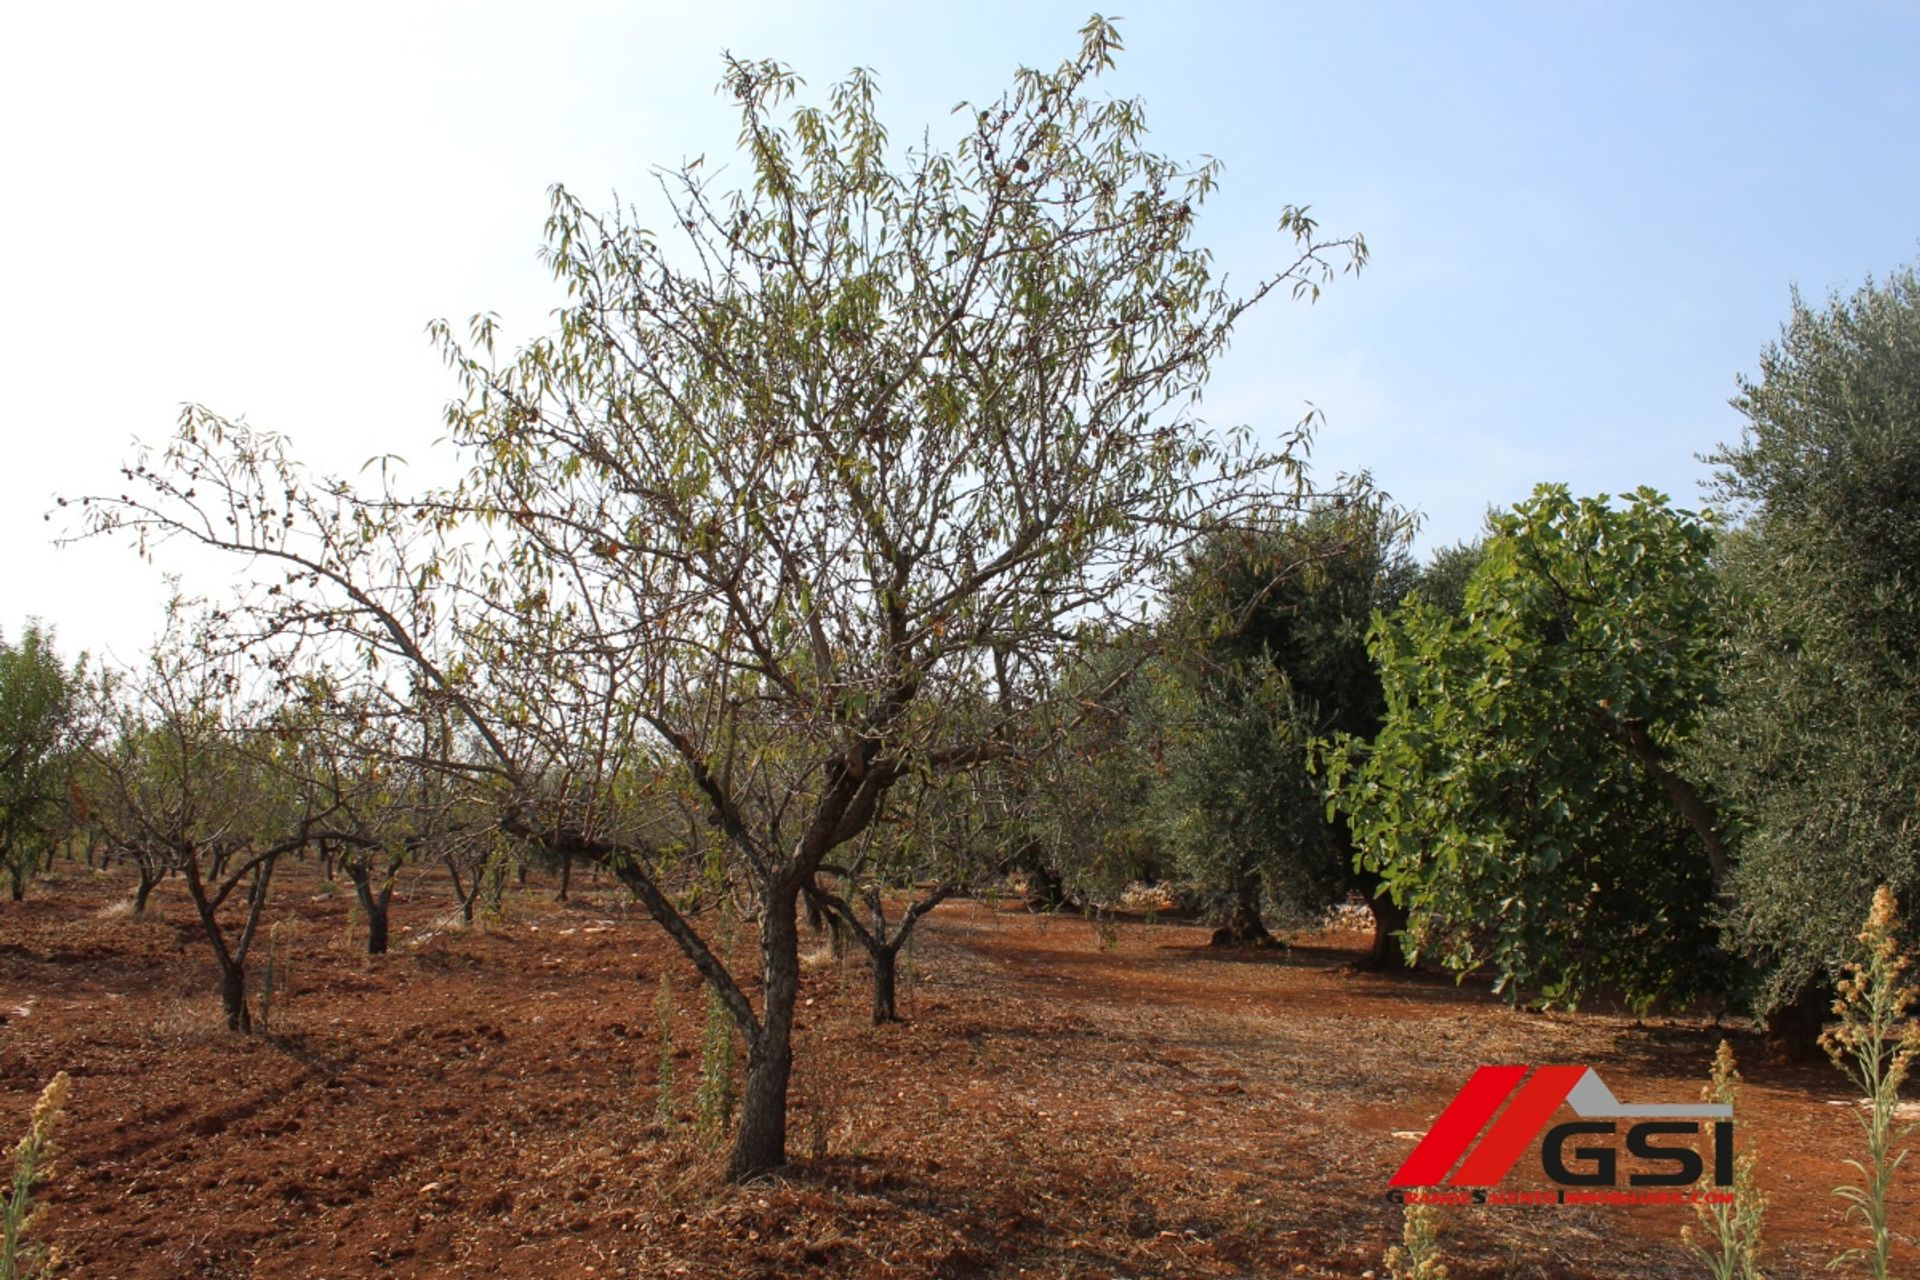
x: 193, y: 778
x: 880, y: 440
x: 1524, y: 797
x: 379, y: 771
x: 941, y: 840
x: 36, y: 744
x: 1814, y: 747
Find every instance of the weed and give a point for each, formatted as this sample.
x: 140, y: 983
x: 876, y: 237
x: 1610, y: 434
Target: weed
x: 274, y: 977
x: 1418, y: 1256
x: 715, y: 1099
x: 1732, y: 1231
x: 663, y: 1106
x: 1875, y: 1043
x: 32, y: 1165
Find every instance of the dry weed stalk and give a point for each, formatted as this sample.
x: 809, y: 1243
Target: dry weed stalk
x: 663, y: 1106
x: 1875, y: 1043
x: 1418, y: 1255
x: 1733, y: 1231
x: 32, y: 1165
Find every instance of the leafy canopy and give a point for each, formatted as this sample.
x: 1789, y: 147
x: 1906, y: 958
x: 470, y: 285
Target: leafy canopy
x: 1517, y: 798
x: 1815, y: 746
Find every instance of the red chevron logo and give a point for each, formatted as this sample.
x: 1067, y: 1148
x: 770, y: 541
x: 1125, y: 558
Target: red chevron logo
x: 1505, y: 1108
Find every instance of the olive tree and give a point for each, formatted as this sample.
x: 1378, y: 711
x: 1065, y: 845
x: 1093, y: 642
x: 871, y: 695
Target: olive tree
x: 1815, y: 745
x: 1236, y: 719
x: 876, y: 436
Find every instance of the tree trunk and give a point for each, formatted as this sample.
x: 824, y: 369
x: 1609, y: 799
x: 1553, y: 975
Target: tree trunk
x: 1047, y: 890
x: 1389, y: 918
x: 566, y: 875
x: 885, y: 967
x: 1244, y: 926
x: 374, y: 906
x: 461, y: 891
x: 233, y: 997
x: 141, y: 892
x: 19, y: 881
x: 760, y: 1144
x: 1793, y: 1028
x: 1680, y: 793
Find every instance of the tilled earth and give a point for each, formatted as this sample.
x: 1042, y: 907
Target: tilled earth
x: 1062, y: 1101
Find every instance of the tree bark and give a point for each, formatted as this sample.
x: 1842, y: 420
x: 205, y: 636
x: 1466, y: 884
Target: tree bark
x: 760, y: 1144
x: 1687, y: 802
x: 1389, y: 918
x: 377, y: 907
x: 233, y: 996
x: 885, y: 967
x: 1792, y: 1029
x: 142, y: 891
x: 1047, y: 891
x: 465, y: 894
x: 1244, y: 927
x: 882, y: 946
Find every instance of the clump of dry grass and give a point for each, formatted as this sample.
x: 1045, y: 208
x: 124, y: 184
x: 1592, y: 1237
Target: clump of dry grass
x: 32, y: 1166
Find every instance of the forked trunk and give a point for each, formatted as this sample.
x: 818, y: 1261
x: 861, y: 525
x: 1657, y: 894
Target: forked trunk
x: 377, y: 907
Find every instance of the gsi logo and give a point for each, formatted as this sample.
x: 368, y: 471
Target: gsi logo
x: 1658, y: 1134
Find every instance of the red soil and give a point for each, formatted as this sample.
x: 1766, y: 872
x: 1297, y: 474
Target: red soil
x: 482, y: 1102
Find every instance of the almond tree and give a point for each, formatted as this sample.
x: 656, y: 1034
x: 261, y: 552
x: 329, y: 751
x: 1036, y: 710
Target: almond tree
x: 191, y: 779
x: 36, y: 738
x: 880, y: 437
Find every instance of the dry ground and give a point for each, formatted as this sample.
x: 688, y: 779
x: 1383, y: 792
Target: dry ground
x: 1060, y: 1103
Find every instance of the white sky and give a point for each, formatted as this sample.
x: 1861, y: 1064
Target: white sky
x: 1585, y: 217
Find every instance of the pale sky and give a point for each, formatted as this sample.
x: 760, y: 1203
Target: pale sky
x: 1585, y: 218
